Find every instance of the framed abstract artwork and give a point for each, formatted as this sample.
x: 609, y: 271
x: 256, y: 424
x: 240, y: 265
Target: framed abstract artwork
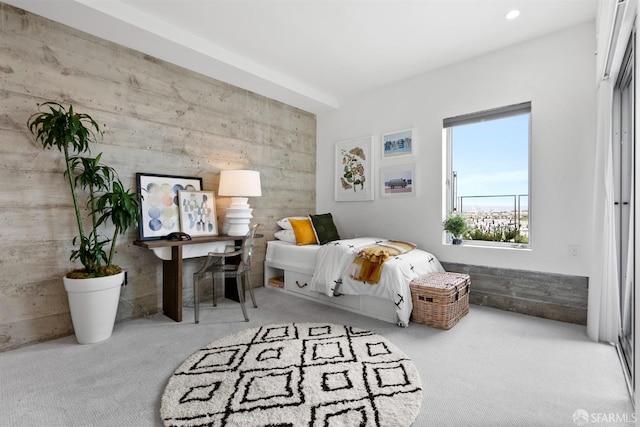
x: 198, y: 213
x: 159, y: 207
x: 354, y: 173
x: 398, y: 181
x: 399, y: 143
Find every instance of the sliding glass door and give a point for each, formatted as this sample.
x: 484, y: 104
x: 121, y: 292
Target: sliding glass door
x: 624, y: 175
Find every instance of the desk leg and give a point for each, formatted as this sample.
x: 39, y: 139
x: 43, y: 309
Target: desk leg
x: 230, y: 285
x: 172, y: 285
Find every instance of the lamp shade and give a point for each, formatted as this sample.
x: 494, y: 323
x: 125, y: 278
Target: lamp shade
x: 239, y: 183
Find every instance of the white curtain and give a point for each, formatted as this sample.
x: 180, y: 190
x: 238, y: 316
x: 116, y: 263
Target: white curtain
x: 603, y: 319
x: 615, y: 24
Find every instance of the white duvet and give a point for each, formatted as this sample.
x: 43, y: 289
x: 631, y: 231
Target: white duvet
x: 335, y: 258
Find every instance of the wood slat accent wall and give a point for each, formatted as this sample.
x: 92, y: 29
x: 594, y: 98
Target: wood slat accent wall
x: 552, y: 296
x: 158, y: 118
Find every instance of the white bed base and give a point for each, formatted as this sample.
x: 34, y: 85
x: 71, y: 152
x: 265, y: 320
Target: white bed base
x: 296, y: 282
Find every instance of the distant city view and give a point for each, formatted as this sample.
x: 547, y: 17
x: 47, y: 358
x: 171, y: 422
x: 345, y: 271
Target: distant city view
x: 490, y: 218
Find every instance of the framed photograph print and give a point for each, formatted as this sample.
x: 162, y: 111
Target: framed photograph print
x: 354, y: 173
x: 198, y: 213
x: 159, y: 213
x: 398, y: 181
x: 397, y: 144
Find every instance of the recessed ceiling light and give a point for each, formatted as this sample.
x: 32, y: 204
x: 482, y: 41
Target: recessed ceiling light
x: 513, y: 14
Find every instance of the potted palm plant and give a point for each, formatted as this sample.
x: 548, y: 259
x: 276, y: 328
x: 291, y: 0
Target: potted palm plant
x: 455, y: 224
x: 93, y: 290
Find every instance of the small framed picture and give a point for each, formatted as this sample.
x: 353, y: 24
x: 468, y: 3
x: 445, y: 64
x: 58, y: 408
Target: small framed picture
x: 398, y: 181
x: 354, y: 179
x: 399, y: 143
x: 198, y: 213
x: 159, y: 213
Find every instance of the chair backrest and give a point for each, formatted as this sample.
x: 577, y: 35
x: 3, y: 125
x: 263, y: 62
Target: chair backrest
x: 247, y: 245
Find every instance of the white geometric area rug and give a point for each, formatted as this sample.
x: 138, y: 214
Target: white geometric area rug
x: 296, y: 374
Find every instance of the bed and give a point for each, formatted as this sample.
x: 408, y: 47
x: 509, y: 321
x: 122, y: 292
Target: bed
x: 322, y: 273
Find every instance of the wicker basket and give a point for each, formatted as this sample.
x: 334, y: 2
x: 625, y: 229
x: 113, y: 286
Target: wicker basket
x: 440, y: 300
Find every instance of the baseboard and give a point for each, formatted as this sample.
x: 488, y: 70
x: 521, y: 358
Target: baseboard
x: 548, y: 295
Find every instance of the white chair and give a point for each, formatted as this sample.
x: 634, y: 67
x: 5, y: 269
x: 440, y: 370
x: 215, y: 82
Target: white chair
x: 217, y: 266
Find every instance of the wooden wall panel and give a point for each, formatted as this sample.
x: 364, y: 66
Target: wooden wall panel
x: 552, y: 296
x: 157, y: 118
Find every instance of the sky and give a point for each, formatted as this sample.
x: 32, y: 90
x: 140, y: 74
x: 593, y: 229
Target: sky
x: 492, y: 158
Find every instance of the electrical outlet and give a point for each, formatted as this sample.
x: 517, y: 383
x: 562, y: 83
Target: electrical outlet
x: 574, y: 251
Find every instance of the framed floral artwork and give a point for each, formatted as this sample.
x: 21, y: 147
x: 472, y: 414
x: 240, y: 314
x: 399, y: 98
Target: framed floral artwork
x: 159, y: 213
x: 198, y: 213
x: 354, y: 173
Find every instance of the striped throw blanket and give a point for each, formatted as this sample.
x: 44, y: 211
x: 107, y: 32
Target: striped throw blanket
x: 367, y: 266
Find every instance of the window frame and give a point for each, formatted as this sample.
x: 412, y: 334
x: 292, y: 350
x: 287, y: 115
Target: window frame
x: 448, y: 192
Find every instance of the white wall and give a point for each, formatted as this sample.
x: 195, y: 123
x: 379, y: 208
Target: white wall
x: 555, y: 73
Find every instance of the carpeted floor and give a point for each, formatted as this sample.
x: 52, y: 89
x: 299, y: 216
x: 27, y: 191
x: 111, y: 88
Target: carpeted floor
x: 494, y: 368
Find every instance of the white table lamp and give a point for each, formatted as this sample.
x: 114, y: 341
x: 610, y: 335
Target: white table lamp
x: 239, y: 185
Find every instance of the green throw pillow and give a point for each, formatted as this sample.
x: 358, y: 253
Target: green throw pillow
x: 324, y: 228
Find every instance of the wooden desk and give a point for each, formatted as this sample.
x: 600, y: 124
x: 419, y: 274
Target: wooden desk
x: 172, y: 269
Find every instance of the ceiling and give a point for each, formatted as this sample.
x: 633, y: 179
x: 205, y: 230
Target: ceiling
x: 313, y: 53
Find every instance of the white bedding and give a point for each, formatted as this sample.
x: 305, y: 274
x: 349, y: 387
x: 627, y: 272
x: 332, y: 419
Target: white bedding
x: 297, y: 258
x: 334, y: 258
x: 329, y: 262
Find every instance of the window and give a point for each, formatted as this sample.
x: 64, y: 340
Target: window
x: 488, y: 173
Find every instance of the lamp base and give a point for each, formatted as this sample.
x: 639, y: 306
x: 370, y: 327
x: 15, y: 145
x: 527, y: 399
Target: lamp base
x: 238, y: 229
x: 238, y: 217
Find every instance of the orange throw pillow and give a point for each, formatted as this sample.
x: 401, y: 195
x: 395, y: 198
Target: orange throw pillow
x: 303, y: 230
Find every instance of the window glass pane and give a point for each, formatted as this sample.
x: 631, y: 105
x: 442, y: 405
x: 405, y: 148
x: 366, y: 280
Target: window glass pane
x: 490, y: 177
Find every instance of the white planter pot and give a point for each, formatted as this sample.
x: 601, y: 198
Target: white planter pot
x: 93, y: 304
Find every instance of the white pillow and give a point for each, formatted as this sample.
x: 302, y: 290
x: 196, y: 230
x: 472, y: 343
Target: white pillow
x: 285, y: 224
x: 285, y: 236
